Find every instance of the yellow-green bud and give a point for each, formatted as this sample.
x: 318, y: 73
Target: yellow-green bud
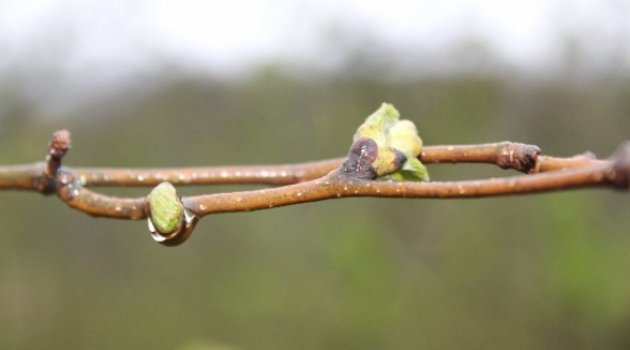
x: 167, y: 211
x: 398, y: 144
x: 377, y: 124
x: 388, y: 161
x: 403, y: 136
x: 371, y: 132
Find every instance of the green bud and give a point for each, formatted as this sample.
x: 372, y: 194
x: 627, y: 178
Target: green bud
x: 167, y: 211
x: 388, y: 161
x: 393, y: 136
x: 403, y: 136
x: 384, y: 116
x: 412, y: 170
x: 371, y: 132
x: 377, y: 125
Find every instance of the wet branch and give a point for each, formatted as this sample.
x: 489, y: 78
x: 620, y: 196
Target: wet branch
x: 507, y: 155
x: 308, y: 182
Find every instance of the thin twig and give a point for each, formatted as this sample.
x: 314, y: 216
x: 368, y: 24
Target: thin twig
x: 517, y: 156
x: 276, y: 175
x: 74, y: 195
x: 57, y: 148
x: 507, y: 155
x: 339, y: 184
x: 353, y: 176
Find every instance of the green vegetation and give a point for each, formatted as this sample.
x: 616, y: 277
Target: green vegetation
x: 167, y: 212
x: 538, y: 272
x: 394, y: 135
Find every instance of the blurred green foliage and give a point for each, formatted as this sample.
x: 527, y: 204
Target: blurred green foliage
x: 545, y: 271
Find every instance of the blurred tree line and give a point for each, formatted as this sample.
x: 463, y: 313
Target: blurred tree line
x: 543, y: 271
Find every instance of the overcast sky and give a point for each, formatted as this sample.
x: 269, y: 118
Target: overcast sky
x: 61, y: 44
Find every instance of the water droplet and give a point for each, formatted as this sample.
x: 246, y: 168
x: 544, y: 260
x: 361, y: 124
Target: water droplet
x: 151, y: 226
x: 190, y: 218
x: 75, y: 192
x: 154, y: 233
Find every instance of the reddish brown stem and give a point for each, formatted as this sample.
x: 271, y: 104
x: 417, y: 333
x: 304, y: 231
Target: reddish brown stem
x: 256, y: 174
x: 507, y: 155
x: 23, y: 177
x: 579, y: 171
x: 28, y: 177
x: 57, y: 148
x: 74, y: 195
x: 547, y: 163
x: 518, y: 156
x: 355, y: 178
x: 338, y: 185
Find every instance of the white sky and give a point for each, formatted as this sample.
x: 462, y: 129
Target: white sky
x: 69, y: 42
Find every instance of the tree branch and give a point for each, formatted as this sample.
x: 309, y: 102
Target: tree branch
x: 338, y: 184
x: 314, y: 181
x: 507, y: 155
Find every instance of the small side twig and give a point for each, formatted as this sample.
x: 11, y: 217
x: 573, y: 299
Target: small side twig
x: 547, y: 163
x: 57, y: 148
x: 507, y: 155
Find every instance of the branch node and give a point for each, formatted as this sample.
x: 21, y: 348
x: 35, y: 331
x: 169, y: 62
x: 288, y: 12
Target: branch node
x: 57, y: 148
x: 66, y: 186
x: 518, y: 156
x: 361, y: 156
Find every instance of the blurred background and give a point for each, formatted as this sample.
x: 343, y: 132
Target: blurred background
x: 177, y: 83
